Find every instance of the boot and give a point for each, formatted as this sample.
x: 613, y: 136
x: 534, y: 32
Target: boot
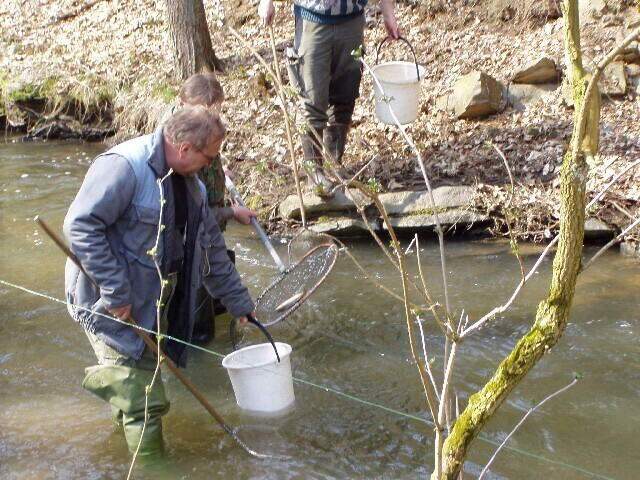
x: 316, y: 179
x: 335, y: 140
x: 124, y: 388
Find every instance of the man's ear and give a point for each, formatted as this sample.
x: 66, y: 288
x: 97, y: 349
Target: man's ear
x: 184, y: 147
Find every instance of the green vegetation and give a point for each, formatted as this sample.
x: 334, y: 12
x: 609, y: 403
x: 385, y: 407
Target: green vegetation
x: 165, y: 92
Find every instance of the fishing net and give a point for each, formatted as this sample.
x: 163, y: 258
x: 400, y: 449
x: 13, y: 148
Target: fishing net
x: 292, y: 287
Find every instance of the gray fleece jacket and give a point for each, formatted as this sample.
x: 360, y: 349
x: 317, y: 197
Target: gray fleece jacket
x: 111, y: 227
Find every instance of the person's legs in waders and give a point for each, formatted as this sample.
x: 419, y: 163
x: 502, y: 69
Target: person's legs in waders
x: 327, y: 77
x: 122, y: 382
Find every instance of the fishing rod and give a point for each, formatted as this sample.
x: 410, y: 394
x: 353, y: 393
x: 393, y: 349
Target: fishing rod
x: 154, y: 348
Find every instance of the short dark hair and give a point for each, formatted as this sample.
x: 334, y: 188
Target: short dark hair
x: 202, y: 89
x: 195, y: 125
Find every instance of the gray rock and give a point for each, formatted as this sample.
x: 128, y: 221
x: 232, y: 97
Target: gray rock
x: 407, y: 203
x: 444, y: 104
x: 520, y: 95
x: 630, y: 249
x: 316, y: 206
x: 543, y: 70
x: 460, y: 217
x: 591, y: 9
x: 632, y: 19
x: 595, y: 228
x: 613, y: 81
x: 477, y: 95
x: 343, y: 227
x: 633, y: 70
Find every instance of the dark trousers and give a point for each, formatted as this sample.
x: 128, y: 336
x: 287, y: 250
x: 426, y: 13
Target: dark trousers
x: 324, y: 72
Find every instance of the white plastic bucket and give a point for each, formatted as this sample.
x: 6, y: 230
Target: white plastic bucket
x: 260, y: 383
x: 401, y: 85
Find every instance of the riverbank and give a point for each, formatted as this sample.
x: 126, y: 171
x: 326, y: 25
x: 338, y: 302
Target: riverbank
x: 96, y: 72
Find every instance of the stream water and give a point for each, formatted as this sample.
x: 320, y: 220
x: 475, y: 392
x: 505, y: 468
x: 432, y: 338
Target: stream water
x: 349, y: 338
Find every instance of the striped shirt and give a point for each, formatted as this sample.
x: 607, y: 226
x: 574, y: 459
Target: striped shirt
x: 328, y: 11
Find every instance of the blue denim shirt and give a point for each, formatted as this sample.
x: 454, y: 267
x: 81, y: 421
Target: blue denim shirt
x: 112, y: 225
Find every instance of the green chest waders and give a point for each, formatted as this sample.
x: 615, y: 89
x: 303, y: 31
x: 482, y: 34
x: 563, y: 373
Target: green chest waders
x: 122, y: 382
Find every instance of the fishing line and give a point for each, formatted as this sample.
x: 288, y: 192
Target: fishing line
x: 321, y: 387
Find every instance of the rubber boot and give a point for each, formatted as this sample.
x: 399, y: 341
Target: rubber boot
x: 335, y: 141
x: 124, y: 388
x: 316, y: 179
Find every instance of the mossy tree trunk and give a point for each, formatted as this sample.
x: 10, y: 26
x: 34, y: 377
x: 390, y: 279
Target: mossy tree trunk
x: 553, y: 312
x: 190, y: 38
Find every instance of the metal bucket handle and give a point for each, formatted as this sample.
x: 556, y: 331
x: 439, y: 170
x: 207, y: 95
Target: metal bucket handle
x: 413, y: 52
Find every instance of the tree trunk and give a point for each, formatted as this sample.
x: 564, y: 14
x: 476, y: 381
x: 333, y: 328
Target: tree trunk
x: 553, y: 312
x: 189, y: 32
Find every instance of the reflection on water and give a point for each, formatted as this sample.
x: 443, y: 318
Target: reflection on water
x: 350, y: 337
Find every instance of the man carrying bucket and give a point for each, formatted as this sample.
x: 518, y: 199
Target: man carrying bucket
x: 112, y: 227
x: 323, y: 70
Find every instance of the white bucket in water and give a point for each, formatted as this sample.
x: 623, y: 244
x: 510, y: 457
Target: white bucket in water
x: 260, y: 383
x: 400, y: 83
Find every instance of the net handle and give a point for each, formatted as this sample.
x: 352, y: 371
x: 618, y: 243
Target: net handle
x: 256, y: 225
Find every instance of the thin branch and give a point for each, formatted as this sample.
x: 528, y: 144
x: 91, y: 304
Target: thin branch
x: 514, y: 241
x: 445, y: 327
x: 287, y: 124
x: 358, y: 173
x: 612, y: 182
x: 619, y: 237
x: 442, y: 411
x: 153, y: 253
x: 498, y: 310
x: 426, y: 359
x: 423, y: 170
x: 283, y: 104
x: 531, y: 410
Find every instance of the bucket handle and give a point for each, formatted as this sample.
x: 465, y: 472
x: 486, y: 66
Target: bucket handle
x: 261, y: 327
x: 413, y: 52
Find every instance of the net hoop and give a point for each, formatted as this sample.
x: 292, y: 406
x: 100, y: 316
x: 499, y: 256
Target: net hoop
x: 289, y: 310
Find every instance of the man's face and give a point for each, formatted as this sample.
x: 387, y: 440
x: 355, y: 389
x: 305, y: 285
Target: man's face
x: 191, y: 159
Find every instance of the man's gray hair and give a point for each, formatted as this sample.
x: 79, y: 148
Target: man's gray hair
x: 196, y: 125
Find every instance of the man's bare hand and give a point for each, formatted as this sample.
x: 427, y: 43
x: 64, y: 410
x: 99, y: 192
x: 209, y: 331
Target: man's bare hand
x: 266, y: 11
x: 243, y: 214
x: 390, y: 21
x: 242, y: 321
x: 122, y: 313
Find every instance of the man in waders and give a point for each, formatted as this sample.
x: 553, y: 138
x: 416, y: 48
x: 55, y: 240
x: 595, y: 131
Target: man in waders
x: 112, y: 226
x: 325, y: 73
x: 204, y: 89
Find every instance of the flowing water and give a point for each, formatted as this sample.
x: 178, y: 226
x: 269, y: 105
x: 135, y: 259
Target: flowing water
x: 360, y: 412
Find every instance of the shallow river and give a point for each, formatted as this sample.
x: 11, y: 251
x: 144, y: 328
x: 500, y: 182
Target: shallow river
x: 350, y: 338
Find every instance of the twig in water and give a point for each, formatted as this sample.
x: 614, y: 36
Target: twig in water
x: 531, y: 410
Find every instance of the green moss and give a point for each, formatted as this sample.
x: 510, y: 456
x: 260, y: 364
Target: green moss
x: 25, y: 93
x: 426, y: 211
x: 254, y: 202
x: 165, y: 92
